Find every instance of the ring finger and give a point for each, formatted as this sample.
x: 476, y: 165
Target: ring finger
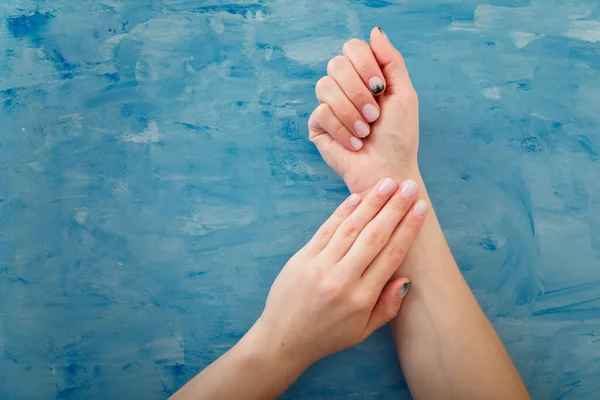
x: 329, y: 92
x: 324, y: 120
x: 342, y: 70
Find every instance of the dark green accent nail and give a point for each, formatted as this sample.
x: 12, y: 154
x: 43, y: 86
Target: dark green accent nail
x: 403, y: 290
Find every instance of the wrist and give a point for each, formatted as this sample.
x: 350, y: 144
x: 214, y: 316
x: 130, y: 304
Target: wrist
x: 274, y: 365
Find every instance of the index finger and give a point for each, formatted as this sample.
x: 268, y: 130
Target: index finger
x: 389, y: 259
x: 378, y: 232
x: 362, y: 58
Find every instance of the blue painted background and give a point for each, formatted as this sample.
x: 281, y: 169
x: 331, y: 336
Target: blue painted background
x: 155, y: 177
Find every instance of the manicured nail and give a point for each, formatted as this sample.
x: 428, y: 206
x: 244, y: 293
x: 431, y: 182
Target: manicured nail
x: 409, y: 188
x: 403, y: 290
x: 376, y: 85
x: 353, y: 200
x: 421, y: 207
x: 370, y: 112
x: 356, y: 143
x: 382, y: 32
x: 387, y: 187
x: 362, y: 129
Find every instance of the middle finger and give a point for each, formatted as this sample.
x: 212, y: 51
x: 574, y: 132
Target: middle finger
x: 328, y: 91
x: 361, y: 56
x: 344, y: 237
x: 341, y: 69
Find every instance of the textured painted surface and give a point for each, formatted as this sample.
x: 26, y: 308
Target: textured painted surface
x: 155, y: 176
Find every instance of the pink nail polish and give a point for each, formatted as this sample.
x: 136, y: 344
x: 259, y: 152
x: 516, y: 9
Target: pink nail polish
x: 421, y: 207
x: 353, y: 200
x: 356, y: 143
x: 370, y: 113
x: 409, y: 188
x: 387, y: 187
x: 362, y: 129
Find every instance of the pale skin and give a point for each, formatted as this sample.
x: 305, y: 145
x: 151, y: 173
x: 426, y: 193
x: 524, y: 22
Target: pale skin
x: 354, y: 272
x: 330, y: 295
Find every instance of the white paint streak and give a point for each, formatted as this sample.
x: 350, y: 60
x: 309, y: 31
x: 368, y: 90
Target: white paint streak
x: 169, y: 348
x: 268, y: 53
x: 36, y: 166
x: 81, y: 217
x: 150, y: 135
x: 588, y: 31
x: 462, y: 26
x: 522, y: 39
x: 492, y: 93
x: 214, y: 218
x: 313, y: 51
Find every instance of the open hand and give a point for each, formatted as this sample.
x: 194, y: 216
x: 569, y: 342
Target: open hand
x: 368, y: 84
x: 336, y: 290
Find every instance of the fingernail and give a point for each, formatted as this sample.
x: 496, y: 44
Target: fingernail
x: 370, y: 112
x: 387, y: 187
x: 403, y: 290
x: 356, y: 143
x: 421, y: 207
x: 376, y: 85
x: 353, y: 200
x: 409, y: 188
x: 382, y: 32
x: 362, y: 129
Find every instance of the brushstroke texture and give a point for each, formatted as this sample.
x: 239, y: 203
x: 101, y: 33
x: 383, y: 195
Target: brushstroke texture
x: 155, y: 177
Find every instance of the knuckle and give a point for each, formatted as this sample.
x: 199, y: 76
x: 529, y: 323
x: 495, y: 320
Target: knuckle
x: 359, y: 96
x: 390, y: 312
x: 352, y: 44
x: 355, y: 92
x: 326, y: 232
x: 376, y: 238
x: 332, y: 288
x: 347, y: 117
x: 323, y: 84
x: 335, y: 63
x: 349, y: 230
x: 396, y: 252
x: 314, y: 117
x: 340, y: 132
x: 360, y: 301
x: 322, y: 111
x: 314, y: 275
x: 364, y: 64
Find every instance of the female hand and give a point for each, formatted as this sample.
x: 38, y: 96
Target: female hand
x: 368, y: 84
x: 335, y: 291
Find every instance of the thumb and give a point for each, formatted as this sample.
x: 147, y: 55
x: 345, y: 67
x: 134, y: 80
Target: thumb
x: 388, y: 305
x: 390, y: 61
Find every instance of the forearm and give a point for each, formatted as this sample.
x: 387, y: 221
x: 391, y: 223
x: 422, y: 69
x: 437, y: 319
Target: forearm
x: 446, y: 344
x: 252, y: 369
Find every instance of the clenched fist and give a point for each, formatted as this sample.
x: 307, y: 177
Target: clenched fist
x: 367, y: 125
